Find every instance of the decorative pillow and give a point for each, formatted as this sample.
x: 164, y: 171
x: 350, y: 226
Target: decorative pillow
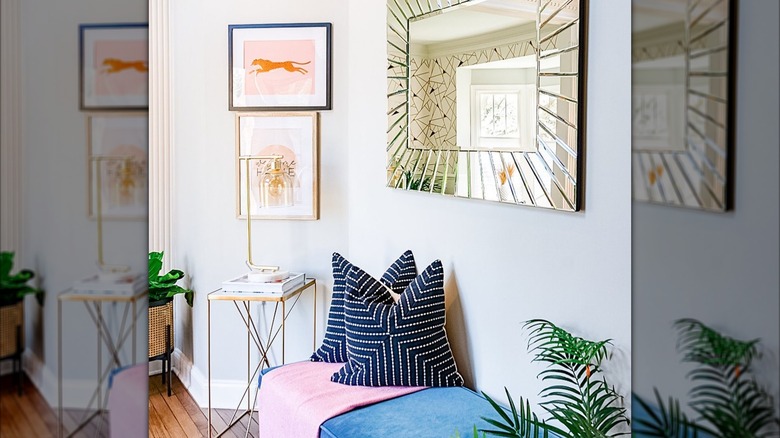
x: 402, y: 344
x: 397, y: 277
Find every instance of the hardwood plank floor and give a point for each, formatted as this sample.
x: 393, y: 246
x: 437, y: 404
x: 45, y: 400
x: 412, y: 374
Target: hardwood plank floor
x: 177, y: 416
x: 29, y: 415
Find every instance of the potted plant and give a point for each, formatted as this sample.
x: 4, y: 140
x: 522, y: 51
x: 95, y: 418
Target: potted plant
x: 726, y: 396
x: 162, y: 289
x: 581, y: 404
x: 13, y: 289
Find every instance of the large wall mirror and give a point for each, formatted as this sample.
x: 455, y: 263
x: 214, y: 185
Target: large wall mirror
x: 485, y: 99
x: 683, y: 102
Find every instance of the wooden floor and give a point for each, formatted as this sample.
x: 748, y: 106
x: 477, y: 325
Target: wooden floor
x: 29, y: 415
x: 179, y: 415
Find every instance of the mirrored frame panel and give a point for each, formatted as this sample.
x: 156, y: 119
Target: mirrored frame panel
x: 428, y: 148
x: 683, y: 85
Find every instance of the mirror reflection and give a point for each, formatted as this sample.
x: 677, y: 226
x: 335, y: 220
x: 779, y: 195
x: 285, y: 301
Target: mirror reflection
x: 682, y: 89
x: 483, y: 100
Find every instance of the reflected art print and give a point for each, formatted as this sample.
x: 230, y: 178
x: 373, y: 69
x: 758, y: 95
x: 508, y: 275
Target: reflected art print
x: 114, y: 66
x: 121, y: 141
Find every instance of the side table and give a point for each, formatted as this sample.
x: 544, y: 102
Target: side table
x: 93, y: 302
x: 263, y: 345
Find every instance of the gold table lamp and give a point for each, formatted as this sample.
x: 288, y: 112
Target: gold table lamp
x: 275, y: 191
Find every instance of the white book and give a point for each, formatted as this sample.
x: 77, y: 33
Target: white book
x: 279, y: 287
x: 127, y: 285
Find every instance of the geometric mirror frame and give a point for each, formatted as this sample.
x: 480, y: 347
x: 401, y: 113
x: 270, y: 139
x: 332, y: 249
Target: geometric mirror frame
x: 683, y: 94
x: 465, y: 139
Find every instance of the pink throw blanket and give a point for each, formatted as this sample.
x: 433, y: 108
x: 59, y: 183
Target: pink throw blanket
x: 296, y: 399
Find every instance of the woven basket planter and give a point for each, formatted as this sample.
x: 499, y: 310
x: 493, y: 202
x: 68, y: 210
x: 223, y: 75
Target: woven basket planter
x: 161, y: 336
x: 160, y: 319
x: 11, y: 320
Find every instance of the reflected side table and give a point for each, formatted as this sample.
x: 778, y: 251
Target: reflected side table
x: 94, y: 301
x: 262, y: 344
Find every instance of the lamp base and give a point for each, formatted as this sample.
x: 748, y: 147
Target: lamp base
x: 259, y: 276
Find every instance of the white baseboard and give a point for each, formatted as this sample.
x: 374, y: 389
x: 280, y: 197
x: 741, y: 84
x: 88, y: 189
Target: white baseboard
x: 225, y: 394
x: 40, y: 376
x: 76, y: 392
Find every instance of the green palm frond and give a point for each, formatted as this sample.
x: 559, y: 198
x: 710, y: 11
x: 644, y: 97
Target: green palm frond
x: 556, y: 346
x: 725, y: 394
x: 475, y: 433
x: 586, y: 406
x: 521, y: 423
x: 732, y: 402
x: 423, y: 184
x: 164, y: 286
x: 704, y: 345
x: 669, y: 421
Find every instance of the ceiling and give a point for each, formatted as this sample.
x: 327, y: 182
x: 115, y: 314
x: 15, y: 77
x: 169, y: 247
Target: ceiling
x: 478, y: 18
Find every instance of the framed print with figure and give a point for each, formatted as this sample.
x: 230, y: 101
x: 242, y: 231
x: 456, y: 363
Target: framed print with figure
x: 114, y: 66
x: 286, y: 188
x: 118, y: 147
x: 279, y: 67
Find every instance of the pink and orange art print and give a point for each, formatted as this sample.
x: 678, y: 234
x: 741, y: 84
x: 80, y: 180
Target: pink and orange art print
x: 114, y: 66
x: 292, y: 135
x: 279, y: 67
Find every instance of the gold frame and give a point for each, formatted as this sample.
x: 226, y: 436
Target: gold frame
x: 315, y: 147
x: 91, y: 115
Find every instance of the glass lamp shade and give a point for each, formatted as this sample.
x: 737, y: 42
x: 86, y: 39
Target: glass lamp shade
x: 276, y: 187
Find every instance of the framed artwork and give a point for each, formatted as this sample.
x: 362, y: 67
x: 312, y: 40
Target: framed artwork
x: 121, y: 142
x: 114, y: 66
x: 278, y: 67
x: 294, y: 136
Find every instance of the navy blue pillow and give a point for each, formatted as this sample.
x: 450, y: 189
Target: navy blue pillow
x: 401, y: 344
x: 397, y: 277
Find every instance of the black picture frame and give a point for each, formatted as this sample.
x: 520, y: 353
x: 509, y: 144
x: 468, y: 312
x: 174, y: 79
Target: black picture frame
x: 317, y: 100
x: 132, y: 69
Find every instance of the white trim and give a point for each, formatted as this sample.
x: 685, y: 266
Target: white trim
x: 161, y: 137
x: 41, y: 377
x: 11, y: 225
x: 225, y: 394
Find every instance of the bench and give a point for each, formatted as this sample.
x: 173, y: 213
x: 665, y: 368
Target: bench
x: 429, y: 413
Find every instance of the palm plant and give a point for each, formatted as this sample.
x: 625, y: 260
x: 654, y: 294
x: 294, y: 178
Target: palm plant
x: 420, y: 183
x: 584, y: 406
x: 13, y: 288
x: 475, y: 434
x: 162, y: 287
x: 521, y: 424
x: 669, y: 421
x: 728, y: 399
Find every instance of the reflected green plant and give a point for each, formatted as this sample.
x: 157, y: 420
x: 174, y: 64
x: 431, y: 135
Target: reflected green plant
x: 14, y: 287
x: 726, y: 395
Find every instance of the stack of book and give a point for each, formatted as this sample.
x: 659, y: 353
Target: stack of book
x: 127, y: 285
x: 278, y: 287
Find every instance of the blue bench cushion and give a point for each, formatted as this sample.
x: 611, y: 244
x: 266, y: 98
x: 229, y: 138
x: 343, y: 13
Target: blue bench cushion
x: 430, y: 413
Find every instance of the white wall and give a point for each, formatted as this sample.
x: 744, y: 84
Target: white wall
x: 60, y: 241
x: 505, y: 264
x: 576, y: 267
x: 208, y: 241
x: 719, y: 268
